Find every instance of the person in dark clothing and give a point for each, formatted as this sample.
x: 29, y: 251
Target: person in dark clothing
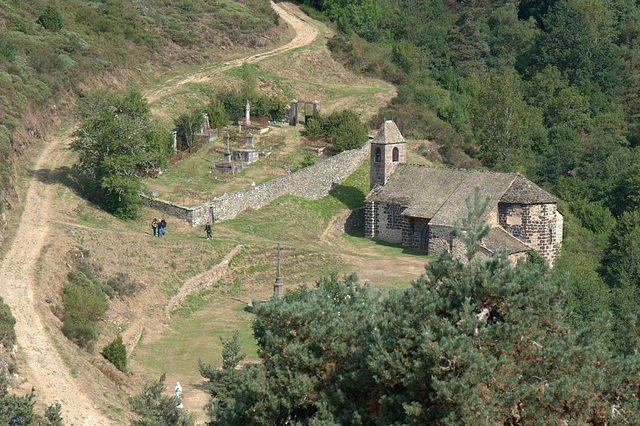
x: 207, y: 228
x: 161, y: 228
x: 154, y: 226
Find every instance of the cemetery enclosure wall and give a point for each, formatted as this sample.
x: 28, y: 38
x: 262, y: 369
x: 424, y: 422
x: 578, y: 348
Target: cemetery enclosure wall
x: 312, y: 183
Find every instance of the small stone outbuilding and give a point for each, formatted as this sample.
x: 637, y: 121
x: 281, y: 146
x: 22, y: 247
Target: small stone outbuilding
x: 418, y: 205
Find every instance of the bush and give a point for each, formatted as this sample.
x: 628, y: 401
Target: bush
x: 81, y: 334
x: 154, y: 408
x: 124, y: 285
x: 51, y: 19
x: 344, y: 126
x: 83, y: 305
x: 7, y: 323
x: 116, y: 353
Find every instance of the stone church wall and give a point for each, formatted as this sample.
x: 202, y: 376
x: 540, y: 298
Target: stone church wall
x: 370, y: 220
x: 390, y: 222
x: 415, y: 234
x: 312, y: 183
x: 440, y: 240
x: 539, y: 225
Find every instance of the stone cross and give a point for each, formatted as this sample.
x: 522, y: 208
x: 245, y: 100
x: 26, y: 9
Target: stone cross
x: 277, y: 286
x: 247, y: 112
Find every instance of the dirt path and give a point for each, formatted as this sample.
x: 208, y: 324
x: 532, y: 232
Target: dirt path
x: 46, y: 370
x: 305, y: 34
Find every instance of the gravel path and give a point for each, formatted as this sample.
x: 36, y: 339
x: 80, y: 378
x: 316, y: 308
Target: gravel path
x: 47, y: 371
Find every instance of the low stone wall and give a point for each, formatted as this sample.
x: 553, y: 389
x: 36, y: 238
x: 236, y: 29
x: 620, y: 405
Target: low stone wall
x: 312, y: 183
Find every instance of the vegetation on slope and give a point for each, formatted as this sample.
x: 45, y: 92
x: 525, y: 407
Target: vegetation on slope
x: 50, y: 52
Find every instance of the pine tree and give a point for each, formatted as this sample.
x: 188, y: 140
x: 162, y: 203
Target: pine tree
x: 221, y: 383
x: 116, y: 353
x: 155, y: 409
x: 480, y: 343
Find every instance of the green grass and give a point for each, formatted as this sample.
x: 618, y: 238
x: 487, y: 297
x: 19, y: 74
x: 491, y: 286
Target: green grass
x: 197, y: 336
x: 190, y: 182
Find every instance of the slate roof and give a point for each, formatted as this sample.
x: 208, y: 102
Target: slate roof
x: 492, y: 185
x: 421, y: 189
x: 523, y: 191
x: 439, y: 193
x: 388, y: 133
x: 499, y: 239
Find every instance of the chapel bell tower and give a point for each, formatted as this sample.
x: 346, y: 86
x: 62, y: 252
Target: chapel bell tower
x: 388, y: 149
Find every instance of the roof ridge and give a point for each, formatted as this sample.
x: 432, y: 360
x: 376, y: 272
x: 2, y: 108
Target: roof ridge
x: 462, y: 169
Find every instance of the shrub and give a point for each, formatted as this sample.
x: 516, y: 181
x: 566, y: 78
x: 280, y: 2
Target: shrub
x: 51, y: 19
x: 154, y: 408
x: 116, y: 353
x: 81, y: 334
x: 344, y: 126
x: 124, y: 285
x: 7, y: 323
x: 83, y: 305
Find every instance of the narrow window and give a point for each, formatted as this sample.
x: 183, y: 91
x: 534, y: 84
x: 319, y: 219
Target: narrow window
x: 378, y: 155
x: 394, y: 155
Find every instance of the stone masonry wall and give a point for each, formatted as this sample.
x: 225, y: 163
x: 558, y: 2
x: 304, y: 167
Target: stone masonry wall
x: 415, y: 234
x: 440, y: 240
x: 312, y: 183
x: 390, y: 222
x: 370, y: 220
x: 539, y: 225
x: 380, y: 171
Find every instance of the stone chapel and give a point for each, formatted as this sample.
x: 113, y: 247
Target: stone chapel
x: 418, y: 205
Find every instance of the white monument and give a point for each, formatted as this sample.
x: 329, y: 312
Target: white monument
x: 177, y: 392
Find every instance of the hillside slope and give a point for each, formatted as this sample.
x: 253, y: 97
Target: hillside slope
x: 53, y: 52
x: 56, y: 221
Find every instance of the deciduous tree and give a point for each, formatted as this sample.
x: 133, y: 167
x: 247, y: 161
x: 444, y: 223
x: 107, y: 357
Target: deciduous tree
x: 116, y: 142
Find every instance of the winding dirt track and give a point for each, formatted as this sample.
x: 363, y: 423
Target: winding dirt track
x: 305, y: 33
x: 48, y: 374
x: 46, y: 370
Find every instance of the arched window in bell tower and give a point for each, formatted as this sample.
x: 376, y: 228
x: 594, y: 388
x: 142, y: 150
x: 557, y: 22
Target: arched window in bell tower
x: 378, y: 155
x: 395, y: 155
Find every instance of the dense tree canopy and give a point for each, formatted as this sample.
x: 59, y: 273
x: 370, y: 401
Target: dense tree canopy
x: 344, y: 127
x: 484, y: 342
x: 116, y: 142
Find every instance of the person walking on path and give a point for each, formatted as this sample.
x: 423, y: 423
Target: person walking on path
x: 207, y: 228
x: 154, y: 226
x: 161, y: 229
